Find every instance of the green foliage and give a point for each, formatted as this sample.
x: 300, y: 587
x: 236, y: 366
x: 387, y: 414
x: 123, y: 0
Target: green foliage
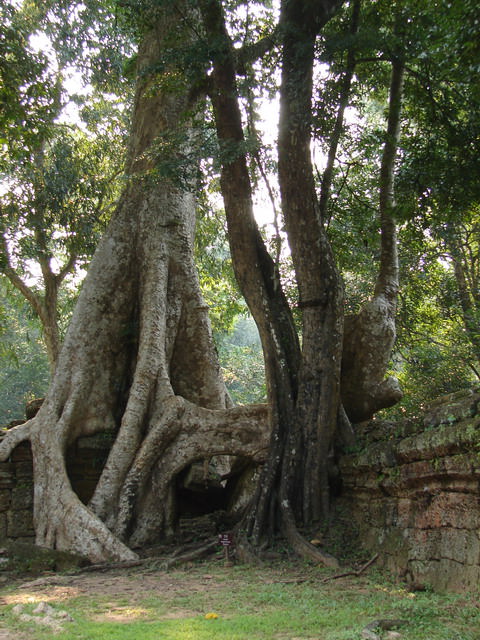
x: 235, y: 334
x: 29, y: 92
x: 24, y: 371
x: 435, y: 354
x: 436, y: 183
x: 59, y: 198
x: 59, y: 181
x: 241, y: 359
x: 93, y: 37
x: 215, y: 271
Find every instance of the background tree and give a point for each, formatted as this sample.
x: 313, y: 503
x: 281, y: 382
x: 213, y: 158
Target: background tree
x: 440, y: 204
x: 58, y: 180
x: 24, y: 371
x: 52, y: 213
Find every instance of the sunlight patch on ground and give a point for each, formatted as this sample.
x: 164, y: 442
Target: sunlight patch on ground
x: 121, y: 614
x: 28, y: 597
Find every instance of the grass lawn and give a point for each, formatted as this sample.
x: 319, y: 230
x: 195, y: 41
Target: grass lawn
x: 284, y: 600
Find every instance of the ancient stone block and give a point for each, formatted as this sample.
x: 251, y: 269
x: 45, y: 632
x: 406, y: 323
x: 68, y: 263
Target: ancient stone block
x: 24, y: 470
x: 449, y: 509
x: 21, y: 453
x: 22, y: 497
x: 424, y: 544
x: 4, y: 499
x: 459, y: 545
x: 101, y: 442
x: 394, y: 542
x: 7, y: 475
x: 20, y: 523
x: 445, y: 575
x: 452, y: 408
x: 446, y: 440
x: 415, y: 473
x: 405, y: 513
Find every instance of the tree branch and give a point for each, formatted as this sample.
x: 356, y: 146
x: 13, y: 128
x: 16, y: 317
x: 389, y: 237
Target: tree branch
x: 67, y: 268
x: 13, y: 437
x: 249, y: 53
x: 17, y: 281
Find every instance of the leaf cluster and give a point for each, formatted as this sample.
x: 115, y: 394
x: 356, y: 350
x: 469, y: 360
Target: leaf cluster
x: 29, y: 90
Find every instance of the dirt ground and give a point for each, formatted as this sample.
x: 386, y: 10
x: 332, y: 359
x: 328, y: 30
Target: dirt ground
x: 119, y: 584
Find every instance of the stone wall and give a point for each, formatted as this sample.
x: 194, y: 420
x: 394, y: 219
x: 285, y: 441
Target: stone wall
x: 85, y: 461
x: 413, y: 493
x: 16, y: 496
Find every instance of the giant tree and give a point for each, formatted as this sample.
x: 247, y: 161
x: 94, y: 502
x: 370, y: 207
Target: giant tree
x: 138, y: 359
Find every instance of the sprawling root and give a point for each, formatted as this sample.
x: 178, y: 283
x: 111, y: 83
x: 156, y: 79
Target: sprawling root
x: 13, y: 437
x: 300, y: 545
x: 61, y: 521
x: 185, y: 433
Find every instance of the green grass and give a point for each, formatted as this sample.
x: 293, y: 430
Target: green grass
x: 253, y: 603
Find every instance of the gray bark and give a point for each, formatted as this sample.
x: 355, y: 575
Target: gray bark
x: 303, y: 417
x: 138, y: 358
x: 370, y: 335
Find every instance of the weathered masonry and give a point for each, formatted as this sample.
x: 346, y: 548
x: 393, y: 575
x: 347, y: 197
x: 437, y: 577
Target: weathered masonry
x: 414, y: 493
x: 412, y: 488
x: 84, y: 462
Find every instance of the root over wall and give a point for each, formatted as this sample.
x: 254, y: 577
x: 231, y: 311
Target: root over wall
x: 412, y: 489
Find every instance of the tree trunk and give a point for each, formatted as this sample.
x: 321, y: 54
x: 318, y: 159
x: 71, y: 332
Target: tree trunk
x: 302, y: 417
x: 138, y: 358
x: 319, y: 283
x: 370, y: 335
x: 255, y: 272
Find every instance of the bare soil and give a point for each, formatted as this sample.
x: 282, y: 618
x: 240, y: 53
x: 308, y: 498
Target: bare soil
x: 116, y: 585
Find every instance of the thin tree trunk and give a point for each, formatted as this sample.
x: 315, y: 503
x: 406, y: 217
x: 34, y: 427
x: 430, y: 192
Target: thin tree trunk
x: 327, y: 177
x: 321, y: 293
x: 370, y: 335
x: 467, y: 288
x: 254, y: 268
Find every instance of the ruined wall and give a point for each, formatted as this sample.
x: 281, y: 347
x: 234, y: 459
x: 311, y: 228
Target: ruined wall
x: 16, y: 496
x: 412, y: 488
x: 414, y: 493
x: 85, y: 461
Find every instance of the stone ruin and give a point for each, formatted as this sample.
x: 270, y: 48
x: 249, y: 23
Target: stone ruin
x: 413, y: 491
x: 410, y: 492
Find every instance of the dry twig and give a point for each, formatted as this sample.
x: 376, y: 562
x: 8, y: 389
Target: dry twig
x: 356, y: 573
